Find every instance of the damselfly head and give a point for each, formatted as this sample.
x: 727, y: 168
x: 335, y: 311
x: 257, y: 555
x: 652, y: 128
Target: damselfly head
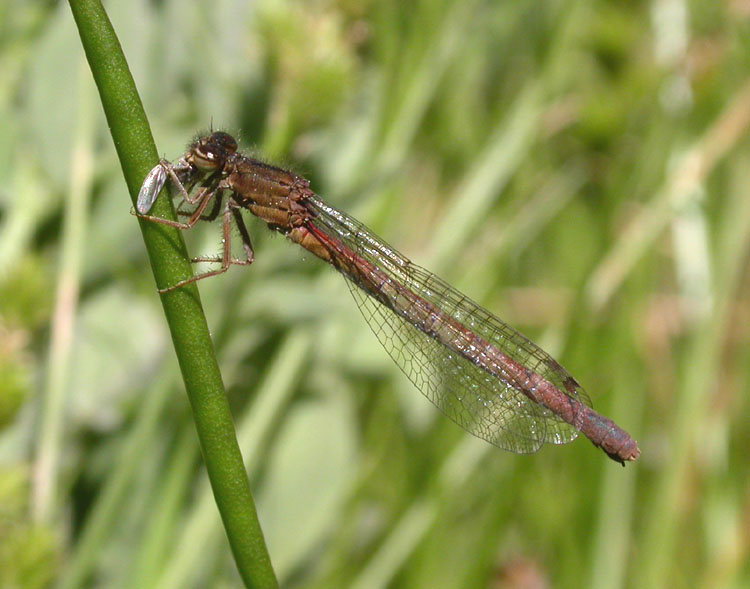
x: 209, y: 153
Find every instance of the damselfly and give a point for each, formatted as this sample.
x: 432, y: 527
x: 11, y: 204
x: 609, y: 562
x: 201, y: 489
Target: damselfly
x: 483, y: 374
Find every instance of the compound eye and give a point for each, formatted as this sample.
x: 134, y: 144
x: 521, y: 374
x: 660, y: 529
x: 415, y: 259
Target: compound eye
x: 225, y: 140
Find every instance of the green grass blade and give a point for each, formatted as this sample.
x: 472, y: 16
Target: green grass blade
x: 187, y: 323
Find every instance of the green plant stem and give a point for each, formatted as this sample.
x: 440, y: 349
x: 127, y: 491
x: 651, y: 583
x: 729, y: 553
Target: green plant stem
x: 189, y: 330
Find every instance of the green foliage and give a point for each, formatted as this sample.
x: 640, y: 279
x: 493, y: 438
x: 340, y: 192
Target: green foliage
x: 579, y: 168
x: 29, y: 552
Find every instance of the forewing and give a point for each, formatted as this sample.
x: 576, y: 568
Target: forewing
x: 486, y: 406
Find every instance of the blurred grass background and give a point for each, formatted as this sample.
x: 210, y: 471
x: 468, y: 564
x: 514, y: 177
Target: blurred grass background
x: 580, y: 168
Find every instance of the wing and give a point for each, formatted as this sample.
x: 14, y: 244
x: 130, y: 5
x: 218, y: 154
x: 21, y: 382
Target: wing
x: 494, y: 409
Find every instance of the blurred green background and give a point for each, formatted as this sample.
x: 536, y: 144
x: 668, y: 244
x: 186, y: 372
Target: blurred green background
x: 580, y: 168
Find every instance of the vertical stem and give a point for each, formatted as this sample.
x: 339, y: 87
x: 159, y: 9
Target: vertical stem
x: 170, y: 264
x: 50, y: 439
